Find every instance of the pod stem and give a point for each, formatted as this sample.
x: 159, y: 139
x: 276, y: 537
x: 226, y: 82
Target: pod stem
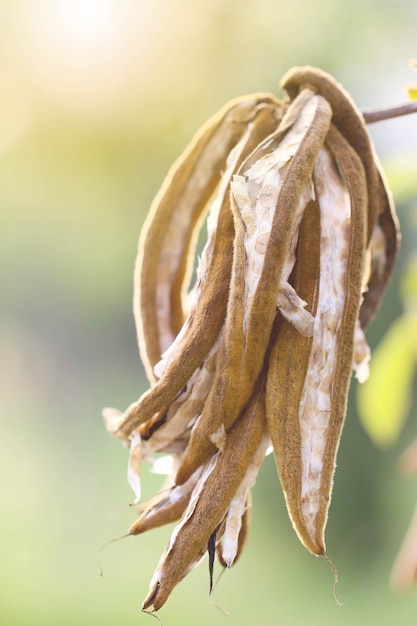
x: 379, y: 115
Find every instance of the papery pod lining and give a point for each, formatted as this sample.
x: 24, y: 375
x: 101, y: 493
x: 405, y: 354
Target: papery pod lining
x: 242, y: 538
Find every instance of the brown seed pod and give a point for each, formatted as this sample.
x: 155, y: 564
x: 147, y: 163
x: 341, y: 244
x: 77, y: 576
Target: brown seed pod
x: 381, y: 211
x: 302, y: 238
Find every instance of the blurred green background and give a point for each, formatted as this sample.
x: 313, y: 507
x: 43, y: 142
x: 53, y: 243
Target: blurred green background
x: 97, y: 99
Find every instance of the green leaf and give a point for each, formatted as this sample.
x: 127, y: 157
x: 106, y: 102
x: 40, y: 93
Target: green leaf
x: 408, y: 285
x: 384, y: 400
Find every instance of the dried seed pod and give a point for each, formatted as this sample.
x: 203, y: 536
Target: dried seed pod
x: 165, y: 509
x: 381, y: 212
x: 287, y: 370
x: 302, y: 237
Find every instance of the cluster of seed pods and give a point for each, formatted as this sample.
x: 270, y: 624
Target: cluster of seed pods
x: 301, y: 241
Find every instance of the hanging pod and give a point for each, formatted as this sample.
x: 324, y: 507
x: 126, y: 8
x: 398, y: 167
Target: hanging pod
x: 301, y: 241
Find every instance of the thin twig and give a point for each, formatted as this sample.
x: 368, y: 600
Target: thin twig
x: 379, y: 115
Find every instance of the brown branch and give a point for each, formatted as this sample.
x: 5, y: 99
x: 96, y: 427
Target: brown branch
x: 379, y: 115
